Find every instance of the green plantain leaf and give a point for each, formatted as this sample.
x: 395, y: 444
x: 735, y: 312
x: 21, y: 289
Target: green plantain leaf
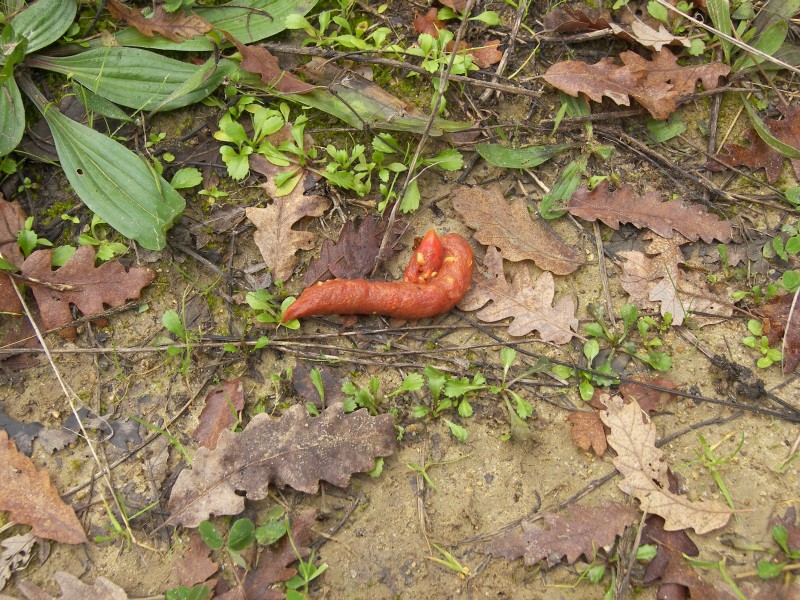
x: 43, y: 22
x: 769, y: 41
x: 246, y: 20
x: 12, y: 116
x: 137, y: 78
x: 518, y: 158
x: 112, y: 181
x: 766, y: 135
x: 720, y: 13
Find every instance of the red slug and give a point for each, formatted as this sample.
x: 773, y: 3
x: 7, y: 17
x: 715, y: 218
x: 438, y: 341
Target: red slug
x: 438, y: 275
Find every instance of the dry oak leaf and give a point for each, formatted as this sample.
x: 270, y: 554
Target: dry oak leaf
x: 260, y: 61
x: 624, y: 205
x: 578, y: 530
x: 295, y: 450
x: 16, y: 554
x: 758, y: 155
x: 642, y: 33
x: 649, y: 400
x: 195, y: 566
x: 775, y: 324
x: 575, y: 19
x: 587, y: 431
x: 78, y: 282
x: 219, y: 413
x: 30, y: 497
x: 12, y: 221
x: 428, y: 23
x: 656, y: 276
x: 529, y: 304
x: 73, y: 588
x: 176, y: 26
x: 510, y: 227
x: 644, y: 472
x: 276, y: 239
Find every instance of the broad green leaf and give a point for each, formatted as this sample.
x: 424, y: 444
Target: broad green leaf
x: 766, y: 135
x: 720, y: 13
x: 246, y: 20
x: 138, y: 79
x: 12, y: 116
x: 241, y: 535
x: 553, y: 203
x: 113, y: 182
x: 187, y: 177
x: 770, y: 40
x: 774, y: 11
x: 12, y: 52
x: 661, y: 131
x: 210, y: 535
x: 410, y: 201
x: 43, y: 22
x: 518, y: 158
x: 98, y: 104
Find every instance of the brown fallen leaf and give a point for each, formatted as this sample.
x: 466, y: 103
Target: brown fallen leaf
x: 30, y: 497
x: 578, y: 530
x: 529, y: 304
x: 16, y: 554
x: 219, y: 413
x: 12, y: 221
x: 576, y: 18
x: 176, y: 26
x: 759, y: 155
x: 644, y: 472
x: 332, y: 381
x: 624, y: 205
x: 512, y: 229
x: 780, y: 333
x: 78, y: 282
x: 353, y: 255
x: 275, y: 237
x: 428, y: 23
x: 671, y: 546
x: 656, y: 276
x: 789, y: 522
x: 656, y: 84
x: 457, y: 5
x: 295, y: 450
x: 587, y: 431
x: 195, y: 566
x: 73, y: 588
x: 649, y: 400
x: 260, y: 61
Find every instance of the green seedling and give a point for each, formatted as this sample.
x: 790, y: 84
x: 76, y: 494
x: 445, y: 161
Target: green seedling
x: 269, y: 310
x: 98, y: 237
x: 335, y: 30
x: 28, y: 241
x: 706, y: 457
x: 117, y: 530
x: 719, y: 566
x: 360, y: 397
x: 769, y: 356
x: 450, y: 561
x: 172, y: 439
x: 769, y: 569
x: 423, y: 469
x: 196, y: 592
x: 176, y: 325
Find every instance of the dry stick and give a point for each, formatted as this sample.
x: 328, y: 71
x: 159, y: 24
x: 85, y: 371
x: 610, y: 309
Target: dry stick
x: 397, y: 64
x: 601, y: 263
x: 623, y: 583
x: 521, y: 10
x: 68, y: 393
x: 424, y: 138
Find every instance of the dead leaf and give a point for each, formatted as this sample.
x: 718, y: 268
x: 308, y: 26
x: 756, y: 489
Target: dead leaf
x: 332, y: 381
x: 30, y: 498
x: 656, y: 84
x: 575, y: 19
x: 512, y: 229
x: 624, y: 205
x: 587, y: 431
x: 219, y: 413
x: 176, y: 26
x: 353, y: 256
x: 758, y: 155
x: 529, y: 304
x: 87, y: 287
x: 647, y: 36
x: 195, y: 566
x: 12, y: 221
x: 17, y: 553
x: 671, y: 546
x: 486, y: 54
x: 578, y: 530
x: 260, y: 61
x: 649, y: 400
x: 276, y: 239
x: 73, y: 588
x: 644, y: 472
x: 789, y: 522
x: 656, y: 276
x: 457, y: 5
x: 428, y: 23
x: 294, y: 450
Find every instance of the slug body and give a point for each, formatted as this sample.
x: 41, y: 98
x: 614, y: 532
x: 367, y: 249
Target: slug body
x: 432, y: 285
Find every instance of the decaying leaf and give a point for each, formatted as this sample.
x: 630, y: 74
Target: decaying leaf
x: 587, y: 431
x: 565, y: 18
x: 30, y: 497
x: 656, y: 84
x: 428, y: 23
x: 219, y: 412
x: 624, y: 205
x: 195, y: 566
x: 529, y: 304
x: 177, y: 26
x: 332, y: 381
x: 644, y: 472
x: 73, y: 588
x: 353, y: 256
x: 779, y: 331
x: 649, y: 400
x: 759, y: 155
x: 275, y: 237
x: 656, y: 276
x: 12, y: 220
x: 295, y: 450
x: 78, y: 282
x: 671, y: 546
x: 260, y: 61
x: 17, y: 552
x: 642, y: 33
x: 578, y: 530
x: 512, y: 229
